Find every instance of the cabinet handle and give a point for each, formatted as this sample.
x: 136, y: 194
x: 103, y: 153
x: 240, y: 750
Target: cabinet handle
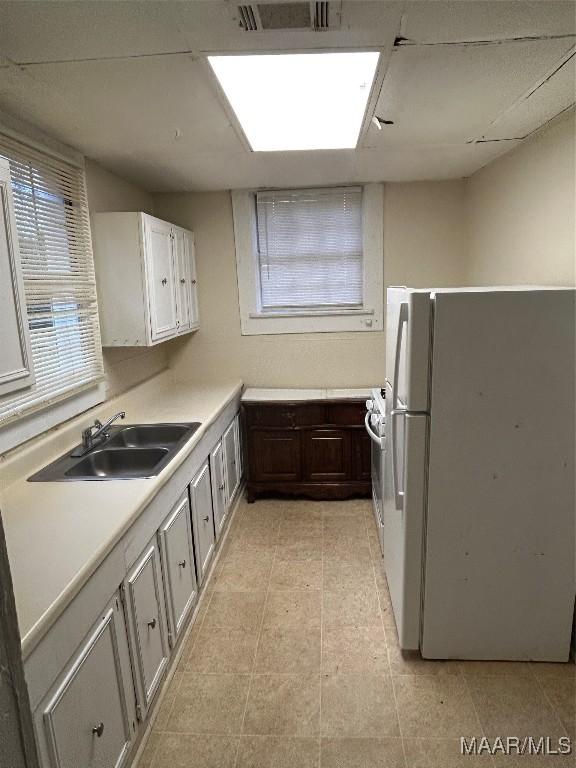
x: 152, y: 623
x: 207, y: 518
x: 182, y: 280
x: 221, y: 486
x: 98, y: 730
x: 182, y: 563
x: 164, y: 281
x: 193, y: 282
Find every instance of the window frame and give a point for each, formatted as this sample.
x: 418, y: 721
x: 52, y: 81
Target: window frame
x: 365, y: 319
x: 49, y: 413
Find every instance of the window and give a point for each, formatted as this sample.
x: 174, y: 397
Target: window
x: 309, y: 259
x: 56, y: 254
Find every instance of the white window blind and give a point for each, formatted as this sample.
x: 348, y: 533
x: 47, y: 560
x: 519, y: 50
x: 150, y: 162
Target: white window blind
x: 56, y: 254
x: 309, y: 244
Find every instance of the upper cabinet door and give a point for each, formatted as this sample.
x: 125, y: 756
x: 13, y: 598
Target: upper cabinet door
x: 15, y: 356
x: 160, y: 270
x: 187, y: 300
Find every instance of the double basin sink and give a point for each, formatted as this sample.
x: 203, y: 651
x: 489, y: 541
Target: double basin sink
x: 131, y: 451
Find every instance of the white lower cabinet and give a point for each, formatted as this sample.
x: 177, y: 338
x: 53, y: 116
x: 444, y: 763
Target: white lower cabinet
x: 202, y: 519
x: 178, y: 570
x: 87, y: 718
x: 219, y: 500
x: 231, y: 452
x: 144, y: 602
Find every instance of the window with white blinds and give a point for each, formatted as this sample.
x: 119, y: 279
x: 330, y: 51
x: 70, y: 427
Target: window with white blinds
x: 310, y: 254
x: 53, y: 228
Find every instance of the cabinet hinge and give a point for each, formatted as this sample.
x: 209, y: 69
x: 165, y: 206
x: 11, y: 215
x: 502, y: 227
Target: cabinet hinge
x: 138, y: 713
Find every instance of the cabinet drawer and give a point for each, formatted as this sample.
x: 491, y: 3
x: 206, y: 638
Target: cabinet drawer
x: 274, y: 456
x: 144, y: 592
x: 86, y: 720
x: 285, y: 415
x: 178, y: 567
x: 346, y: 414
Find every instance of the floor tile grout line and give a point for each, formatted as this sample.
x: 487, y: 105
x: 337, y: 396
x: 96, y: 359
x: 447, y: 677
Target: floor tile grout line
x: 544, y: 692
x: 256, y: 650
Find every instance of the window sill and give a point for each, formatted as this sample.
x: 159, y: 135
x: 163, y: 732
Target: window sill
x: 312, y: 313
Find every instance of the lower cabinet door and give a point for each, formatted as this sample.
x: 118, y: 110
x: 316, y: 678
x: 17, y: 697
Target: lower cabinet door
x: 327, y: 455
x: 274, y: 456
x: 87, y: 719
x: 178, y: 567
x: 146, y: 619
x: 231, y: 461
x: 202, y: 520
x: 219, y: 500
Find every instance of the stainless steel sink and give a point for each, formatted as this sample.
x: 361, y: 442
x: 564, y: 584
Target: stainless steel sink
x: 131, y: 451
x: 118, y: 462
x: 145, y: 435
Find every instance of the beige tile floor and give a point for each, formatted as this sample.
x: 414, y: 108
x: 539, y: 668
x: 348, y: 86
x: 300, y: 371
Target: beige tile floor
x: 294, y: 663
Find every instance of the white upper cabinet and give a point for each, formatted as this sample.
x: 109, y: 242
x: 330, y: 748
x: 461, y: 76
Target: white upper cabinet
x: 146, y: 278
x: 186, y: 296
x: 15, y: 357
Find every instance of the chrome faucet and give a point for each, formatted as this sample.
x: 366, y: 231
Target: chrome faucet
x: 90, y: 438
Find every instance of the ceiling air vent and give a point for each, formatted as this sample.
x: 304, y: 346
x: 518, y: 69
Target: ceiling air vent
x: 268, y: 17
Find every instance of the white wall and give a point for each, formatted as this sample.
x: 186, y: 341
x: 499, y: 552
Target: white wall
x: 125, y: 367
x: 521, y: 212
x: 424, y: 242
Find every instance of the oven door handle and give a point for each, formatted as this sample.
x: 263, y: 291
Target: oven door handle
x: 376, y: 438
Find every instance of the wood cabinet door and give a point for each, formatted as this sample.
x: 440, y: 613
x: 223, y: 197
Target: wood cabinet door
x: 362, y: 455
x: 150, y: 650
x: 178, y: 567
x: 219, y: 500
x: 202, y: 520
x: 86, y: 719
x: 16, y: 370
x: 327, y: 455
x: 161, y: 277
x: 274, y: 456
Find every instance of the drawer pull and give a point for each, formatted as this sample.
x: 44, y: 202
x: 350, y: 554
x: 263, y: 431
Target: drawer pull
x: 221, y: 486
x: 182, y: 563
x: 182, y: 281
x: 98, y: 730
x: 207, y: 518
x: 152, y: 624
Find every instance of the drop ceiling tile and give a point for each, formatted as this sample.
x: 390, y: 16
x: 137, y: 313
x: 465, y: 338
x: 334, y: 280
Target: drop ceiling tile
x: 427, y: 162
x: 552, y: 97
x: 436, y: 22
x: 65, y: 31
x: 448, y: 94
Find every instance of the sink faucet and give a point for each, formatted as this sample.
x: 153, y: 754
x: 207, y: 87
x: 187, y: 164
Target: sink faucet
x: 91, y: 438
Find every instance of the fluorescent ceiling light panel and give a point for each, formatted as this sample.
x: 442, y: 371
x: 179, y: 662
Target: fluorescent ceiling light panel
x: 298, y: 100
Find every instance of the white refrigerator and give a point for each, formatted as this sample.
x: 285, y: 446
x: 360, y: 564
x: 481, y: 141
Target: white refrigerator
x: 479, y: 475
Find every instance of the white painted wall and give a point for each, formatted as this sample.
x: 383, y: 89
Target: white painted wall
x: 521, y: 213
x: 424, y: 243
x: 125, y: 367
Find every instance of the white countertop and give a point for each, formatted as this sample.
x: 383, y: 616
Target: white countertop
x: 57, y: 533
x: 255, y: 395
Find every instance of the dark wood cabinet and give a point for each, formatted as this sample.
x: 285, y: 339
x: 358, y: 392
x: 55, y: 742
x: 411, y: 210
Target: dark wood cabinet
x: 317, y: 450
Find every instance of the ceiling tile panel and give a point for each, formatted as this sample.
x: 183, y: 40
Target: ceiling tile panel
x: 449, y: 94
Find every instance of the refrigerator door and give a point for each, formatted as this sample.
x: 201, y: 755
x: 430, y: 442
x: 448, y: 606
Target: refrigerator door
x: 408, y: 347
x: 500, y: 527
x: 404, y: 504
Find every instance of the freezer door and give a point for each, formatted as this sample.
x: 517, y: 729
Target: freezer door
x: 404, y: 485
x: 408, y: 347
x: 500, y: 518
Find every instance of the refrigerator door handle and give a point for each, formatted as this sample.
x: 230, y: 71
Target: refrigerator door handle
x: 395, y: 414
x: 376, y: 438
x: 402, y: 320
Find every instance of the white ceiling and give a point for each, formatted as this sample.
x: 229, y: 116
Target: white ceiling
x: 127, y: 84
